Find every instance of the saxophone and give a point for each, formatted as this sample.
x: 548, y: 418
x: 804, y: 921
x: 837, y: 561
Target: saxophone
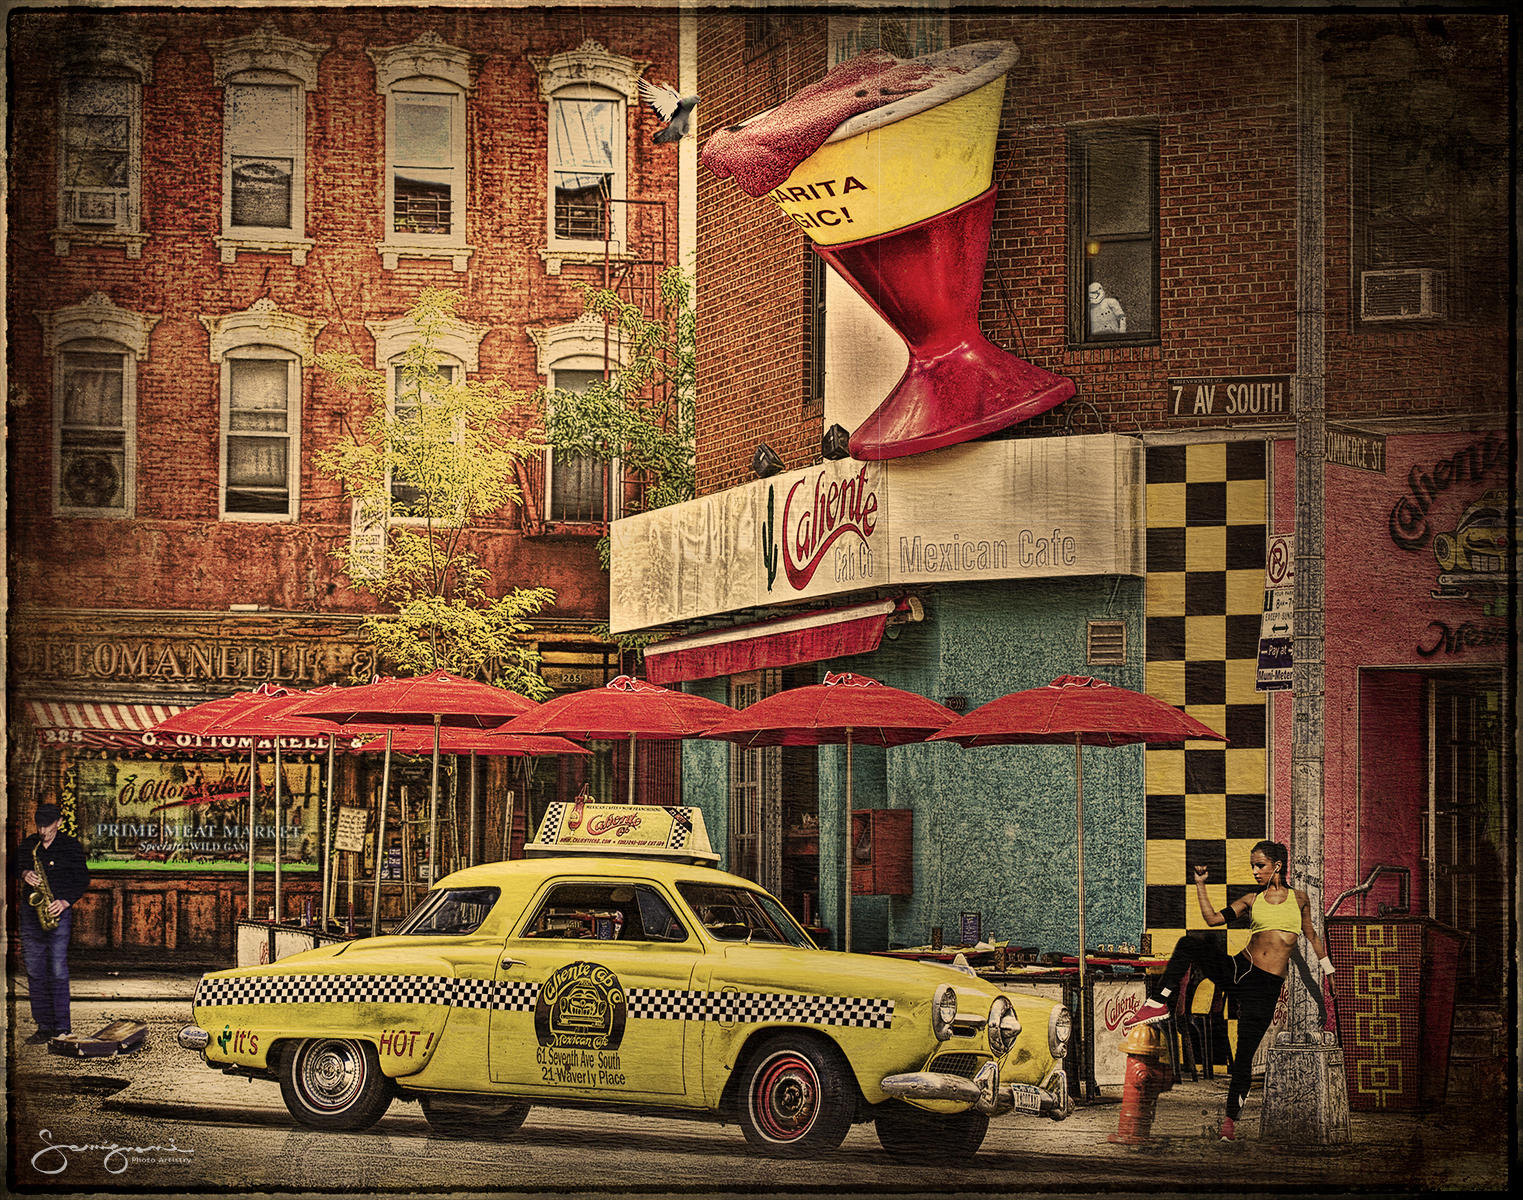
x: 42, y: 897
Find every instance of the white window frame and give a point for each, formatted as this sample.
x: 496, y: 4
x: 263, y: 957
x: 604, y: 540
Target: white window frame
x: 97, y: 326
x: 581, y: 345
x: 587, y: 73
x: 108, y: 54
x: 262, y: 331
x: 426, y: 66
x: 271, y: 59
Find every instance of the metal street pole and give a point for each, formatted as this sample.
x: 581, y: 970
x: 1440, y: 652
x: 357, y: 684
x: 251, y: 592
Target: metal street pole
x: 1305, y: 1092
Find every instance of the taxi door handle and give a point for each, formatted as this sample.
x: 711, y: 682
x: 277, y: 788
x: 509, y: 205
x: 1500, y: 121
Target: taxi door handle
x: 514, y: 962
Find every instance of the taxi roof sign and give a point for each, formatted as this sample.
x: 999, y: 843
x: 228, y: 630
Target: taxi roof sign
x: 585, y: 827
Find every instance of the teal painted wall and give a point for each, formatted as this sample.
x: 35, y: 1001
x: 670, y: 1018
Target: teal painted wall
x: 995, y: 828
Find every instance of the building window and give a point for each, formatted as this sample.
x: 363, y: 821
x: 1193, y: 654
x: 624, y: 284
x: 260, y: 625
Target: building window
x: 100, y: 135
x: 1405, y: 195
x: 260, y: 354
x: 95, y: 348
x: 580, y: 489
x: 408, y: 396
x: 425, y: 85
x: 577, y: 484
x: 588, y: 93
x: 95, y: 407
x: 456, y: 346
x: 265, y: 79
x: 1113, y: 235
x: 260, y: 384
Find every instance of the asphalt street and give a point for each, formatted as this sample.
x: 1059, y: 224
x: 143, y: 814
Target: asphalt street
x: 234, y: 1136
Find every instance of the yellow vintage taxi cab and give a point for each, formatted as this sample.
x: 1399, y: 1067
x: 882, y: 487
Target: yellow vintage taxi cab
x: 614, y: 966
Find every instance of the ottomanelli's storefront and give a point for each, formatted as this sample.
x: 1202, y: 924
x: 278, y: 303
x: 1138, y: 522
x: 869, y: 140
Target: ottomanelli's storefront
x: 165, y: 820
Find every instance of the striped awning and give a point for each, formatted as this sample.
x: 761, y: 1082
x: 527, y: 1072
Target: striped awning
x: 97, y: 724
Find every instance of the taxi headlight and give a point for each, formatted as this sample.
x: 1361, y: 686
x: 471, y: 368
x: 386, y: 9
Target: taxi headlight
x: 1060, y: 1025
x: 943, y: 1011
x: 1003, y: 1026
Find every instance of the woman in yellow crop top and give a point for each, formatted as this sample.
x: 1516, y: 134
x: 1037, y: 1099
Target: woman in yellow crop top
x: 1254, y: 976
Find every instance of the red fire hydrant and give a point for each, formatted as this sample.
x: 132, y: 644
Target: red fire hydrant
x: 1145, y: 1079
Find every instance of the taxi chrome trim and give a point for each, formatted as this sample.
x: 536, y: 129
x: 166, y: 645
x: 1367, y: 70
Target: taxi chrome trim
x: 984, y: 1091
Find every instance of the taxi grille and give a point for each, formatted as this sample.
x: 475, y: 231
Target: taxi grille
x: 963, y: 1065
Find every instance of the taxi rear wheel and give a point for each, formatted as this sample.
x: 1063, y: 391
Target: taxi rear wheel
x: 795, y: 1098
x: 334, y: 1083
x: 454, y: 1116
x: 911, y: 1134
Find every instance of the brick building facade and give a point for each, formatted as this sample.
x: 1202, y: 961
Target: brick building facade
x: 202, y: 201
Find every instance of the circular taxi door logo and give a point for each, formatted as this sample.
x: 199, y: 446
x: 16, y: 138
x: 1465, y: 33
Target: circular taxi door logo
x: 581, y: 1006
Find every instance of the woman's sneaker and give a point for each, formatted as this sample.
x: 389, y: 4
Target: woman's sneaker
x: 1229, y: 1130
x: 1150, y: 1013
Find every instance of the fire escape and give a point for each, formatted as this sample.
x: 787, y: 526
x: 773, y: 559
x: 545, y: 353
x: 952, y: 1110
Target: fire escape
x: 599, y: 491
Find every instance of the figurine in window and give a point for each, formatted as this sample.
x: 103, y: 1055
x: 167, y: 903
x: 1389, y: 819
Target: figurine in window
x: 1105, y: 312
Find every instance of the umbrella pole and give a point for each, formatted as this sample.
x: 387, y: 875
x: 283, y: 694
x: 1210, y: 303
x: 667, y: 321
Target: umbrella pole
x: 280, y: 913
x: 1084, y: 1048
x: 253, y: 787
x: 631, y: 768
x: 470, y: 848
x: 380, y: 839
x: 846, y: 857
x: 433, y: 812
x: 326, y: 849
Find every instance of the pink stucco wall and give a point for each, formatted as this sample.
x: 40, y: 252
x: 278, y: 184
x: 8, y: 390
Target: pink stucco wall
x: 1382, y: 613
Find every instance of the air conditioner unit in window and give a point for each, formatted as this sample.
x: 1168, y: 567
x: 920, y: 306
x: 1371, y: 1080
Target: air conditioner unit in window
x: 90, y: 479
x: 97, y: 206
x: 1414, y: 294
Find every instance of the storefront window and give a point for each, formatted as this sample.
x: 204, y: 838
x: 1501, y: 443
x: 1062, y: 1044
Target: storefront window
x: 193, y: 814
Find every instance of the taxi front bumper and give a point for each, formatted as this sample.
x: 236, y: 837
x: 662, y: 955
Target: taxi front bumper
x: 985, y: 1092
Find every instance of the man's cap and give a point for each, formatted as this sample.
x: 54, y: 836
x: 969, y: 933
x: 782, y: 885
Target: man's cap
x: 47, y: 814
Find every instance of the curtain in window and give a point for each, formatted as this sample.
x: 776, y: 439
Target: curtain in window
x: 258, y: 443
x: 406, y: 408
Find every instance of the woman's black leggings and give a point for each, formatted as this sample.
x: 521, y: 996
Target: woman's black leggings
x: 1256, y: 992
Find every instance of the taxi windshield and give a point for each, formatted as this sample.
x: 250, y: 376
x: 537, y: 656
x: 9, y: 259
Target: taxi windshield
x: 734, y: 914
x: 451, y: 911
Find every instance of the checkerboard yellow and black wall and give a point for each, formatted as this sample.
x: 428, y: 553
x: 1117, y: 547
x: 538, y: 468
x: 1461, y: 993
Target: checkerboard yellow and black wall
x: 1205, y: 802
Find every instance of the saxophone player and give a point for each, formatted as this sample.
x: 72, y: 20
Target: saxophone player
x: 46, y: 951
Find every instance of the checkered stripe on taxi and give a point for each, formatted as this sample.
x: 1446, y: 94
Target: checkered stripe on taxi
x: 366, y: 989
x: 662, y: 1004
x: 756, y: 1007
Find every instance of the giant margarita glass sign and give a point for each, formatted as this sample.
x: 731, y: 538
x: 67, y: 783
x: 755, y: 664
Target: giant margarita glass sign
x: 1021, y: 509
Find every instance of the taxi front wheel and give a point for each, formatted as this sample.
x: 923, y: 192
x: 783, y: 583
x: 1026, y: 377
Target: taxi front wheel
x: 911, y: 1134
x: 795, y: 1098
x: 334, y: 1083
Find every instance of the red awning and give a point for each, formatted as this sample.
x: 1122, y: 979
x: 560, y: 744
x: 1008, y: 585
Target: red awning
x: 781, y: 642
x: 96, y: 723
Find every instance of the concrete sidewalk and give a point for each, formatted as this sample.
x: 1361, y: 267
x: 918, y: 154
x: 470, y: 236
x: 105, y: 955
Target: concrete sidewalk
x: 1392, y: 1150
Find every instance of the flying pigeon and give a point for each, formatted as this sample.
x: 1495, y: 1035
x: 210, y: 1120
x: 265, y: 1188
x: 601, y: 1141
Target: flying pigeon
x: 675, y: 110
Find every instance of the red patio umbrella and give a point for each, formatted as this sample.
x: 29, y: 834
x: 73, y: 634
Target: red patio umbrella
x: 471, y: 741
x: 436, y: 699
x: 1085, y: 712
x: 623, y: 709
x: 848, y: 709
